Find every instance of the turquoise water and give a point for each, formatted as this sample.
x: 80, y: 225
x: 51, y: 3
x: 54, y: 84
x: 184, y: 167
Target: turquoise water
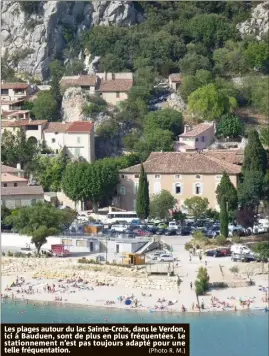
x: 212, y: 334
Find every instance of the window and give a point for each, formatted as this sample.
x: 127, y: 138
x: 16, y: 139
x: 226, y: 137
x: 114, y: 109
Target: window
x: 178, y: 188
x: 157, y: 176
x: 33, y: 202
x: 117, y: 248
x: 122, y: 190
x: 81, y: 243
x: 134, y: 204
x: 197, y: 139
x: 15, y: 184
x: 136, y: 176
x: 117, y: 94
x: 203, y: 138
x: 157, y: 188
x: 218, y: 177
x: 67, y: 242
x: 122, y: 176
x: 4, y: 91
x: 53, y: 140
x: 77, y: 151
x: 135, y: 187
x: 177, y: 176
x: 198, y: 189
x: 5, y: 184
x: 198, y: 176
x: 78, y: 139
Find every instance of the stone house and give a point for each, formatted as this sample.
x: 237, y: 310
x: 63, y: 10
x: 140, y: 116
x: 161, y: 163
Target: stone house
x: 14, y: 91
x: 112, y: 87
x: 11, y: 170
x: 77, y: 138
x: 198, y: 138
x: 183, y: 174
x: 16, y: 115
x: 16, y: 192
x: 175, y: 80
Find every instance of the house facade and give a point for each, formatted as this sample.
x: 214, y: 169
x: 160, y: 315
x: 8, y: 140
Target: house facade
x: 33, y: 128
x: 112, y: 87
x: 77, y: 138
x: 16, y: 192
x: 175, y: 80
x: 198, y: 138
x: 13, y: 91
x: 184, y: 175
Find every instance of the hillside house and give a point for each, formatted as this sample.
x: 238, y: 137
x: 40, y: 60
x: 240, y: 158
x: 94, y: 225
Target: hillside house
x: 32, y: 128
x: 175, y: 80
x: 198, y: 138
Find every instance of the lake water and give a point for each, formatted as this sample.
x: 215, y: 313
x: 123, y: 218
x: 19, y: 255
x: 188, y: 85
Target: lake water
x: 212, y: 334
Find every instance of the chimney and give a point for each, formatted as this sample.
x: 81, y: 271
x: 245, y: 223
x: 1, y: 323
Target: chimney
x: 105, y: 75
x: 19, y: 166
x: 186, y: 128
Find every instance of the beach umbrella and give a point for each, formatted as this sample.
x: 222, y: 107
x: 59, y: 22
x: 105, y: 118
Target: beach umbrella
x: 128, y: 302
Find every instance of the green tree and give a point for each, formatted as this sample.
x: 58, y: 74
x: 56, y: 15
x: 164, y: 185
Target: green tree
x: 262, y: 248
x: 48, y: 171
x: 224, y: 219
x: 45, y: 107
x: 142, y: 202
x: 39, y: 221
x: 192, y: 62
x: 264, y: 136
x: 111, y: 63
x: 56, y: 73
x: 230, y: 125
x: 202, y: 281
x: 210, y: 102
x: 226, y: 191
x: 15, y: 148
x: 74, y: 67
x: 259, y: 94
x: 189, y: 85
x: 166, y: 119
x: 257, y: 55
x: 161, y: 204
x: 255, y: 159
x: 250, y: 189
x: 154, y: 141
x: 84, y: 181
x: 196, y: 206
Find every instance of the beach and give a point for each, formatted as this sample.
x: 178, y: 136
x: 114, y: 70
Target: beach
x: 66, y: 281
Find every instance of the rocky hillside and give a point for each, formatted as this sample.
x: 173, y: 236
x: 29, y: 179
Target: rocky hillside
x: 31, y: 38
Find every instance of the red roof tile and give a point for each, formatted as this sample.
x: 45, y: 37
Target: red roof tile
x: 80, y: 126
x: 20, y: 123
x: 79, y: 80
x: 8, y: 169
x: 22, y: 190
x: 7, y: 177
x: 14, y: 85
x: 197, y: 130
x: 57, y: 127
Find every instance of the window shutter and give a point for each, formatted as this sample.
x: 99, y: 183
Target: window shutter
x: 202, y: 188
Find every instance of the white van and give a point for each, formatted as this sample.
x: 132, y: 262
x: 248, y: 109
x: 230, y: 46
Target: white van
x: 119, y: 228
x: 240, y: 249
x: 172, y: 225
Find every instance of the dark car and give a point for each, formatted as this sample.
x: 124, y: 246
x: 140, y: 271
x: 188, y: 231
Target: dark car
x: 212, y: 233
x: 214, y: 253
x: 226, y: 251
x: 184, y: 231
x: 160, y: 231
x: 170, y: 232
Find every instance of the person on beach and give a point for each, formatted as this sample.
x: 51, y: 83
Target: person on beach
x: 191, y: 285
x: 205, y: 263
x: 190, y: 258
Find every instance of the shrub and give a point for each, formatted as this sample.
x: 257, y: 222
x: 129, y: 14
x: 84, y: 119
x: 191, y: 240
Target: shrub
x: 236, y: 239
x: 3, y: 254
x: 198, y: 235
x: 188, y: 246
x: 202, y: 281
x: 217, y: 285
x: 221, y: 240
x: 10, y: 254
x: 234, y: 269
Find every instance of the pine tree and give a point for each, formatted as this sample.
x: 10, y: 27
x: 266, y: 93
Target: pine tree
x: 224, y: 219
x: 226, y: 190
x: 255, y: 158
x: 142, y: 202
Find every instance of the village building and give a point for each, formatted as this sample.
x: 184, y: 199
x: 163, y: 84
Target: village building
x: 112, y: 87
x: 11, y: 170
x: 175, y: 80
x: 76, y: 138
x: 16, y: 191
x: 14, y: 91
x: 33, y: 128
x: 183, y: 174
x: 16, y: 115
x: 198, y: 138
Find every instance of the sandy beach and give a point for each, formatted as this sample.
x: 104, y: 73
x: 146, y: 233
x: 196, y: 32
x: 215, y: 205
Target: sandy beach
x: 39, y: 280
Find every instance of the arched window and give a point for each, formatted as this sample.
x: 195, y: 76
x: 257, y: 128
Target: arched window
x: 198, y: 189
x: 178, y: 188
x: 198, y: 176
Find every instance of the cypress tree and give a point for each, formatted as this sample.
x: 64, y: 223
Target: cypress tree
x: 227, y: 191
x: 224, y: 219
x: 255, y: 158
x: 142, y: 201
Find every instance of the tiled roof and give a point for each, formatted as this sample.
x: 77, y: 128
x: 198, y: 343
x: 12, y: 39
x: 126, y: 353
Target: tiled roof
x: 14, y: 86
x: 80, y: 127
x: 185, y: 163
x: 7, y: 177
x: 20, y: 123
x: 175, y: 78
x: 8, y: 169
x: 24, y: 190
x: 13, y: 112
x: 197, y: 130
x: 79, y: 80
x: 57, y: 127
x: 10, y: 102
x: 115, y: 85
x: 234, y: 157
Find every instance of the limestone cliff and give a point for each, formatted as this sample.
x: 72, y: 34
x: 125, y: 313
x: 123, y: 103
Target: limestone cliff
x: 31, y: 41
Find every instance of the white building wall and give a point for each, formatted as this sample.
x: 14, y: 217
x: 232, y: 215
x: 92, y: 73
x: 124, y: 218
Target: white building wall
x: 78, y: 145
x: 54, y: 141
x: 128, y: 247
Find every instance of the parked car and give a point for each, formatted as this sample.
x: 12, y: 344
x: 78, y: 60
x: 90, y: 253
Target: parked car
x: 211, y: 234
x: 173, y: 225
x: 184, y: 231
x: 214, y: 253
x: 170, y: 232
x: 242, y: 258
x: 155, y: 256
x: 166, y: 258
x: 26, y: 251
x: 162, y: 226
x: 160, y: 231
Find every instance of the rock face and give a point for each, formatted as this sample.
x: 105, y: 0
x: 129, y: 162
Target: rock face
x: 30, y: 42
x: 72, y: 104
x: 258, y: 24
x: 176, y: 102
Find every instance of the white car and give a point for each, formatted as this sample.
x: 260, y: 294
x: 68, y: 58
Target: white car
x: 155, y: 256
x: 83, y: 217
x: 166, y: 258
